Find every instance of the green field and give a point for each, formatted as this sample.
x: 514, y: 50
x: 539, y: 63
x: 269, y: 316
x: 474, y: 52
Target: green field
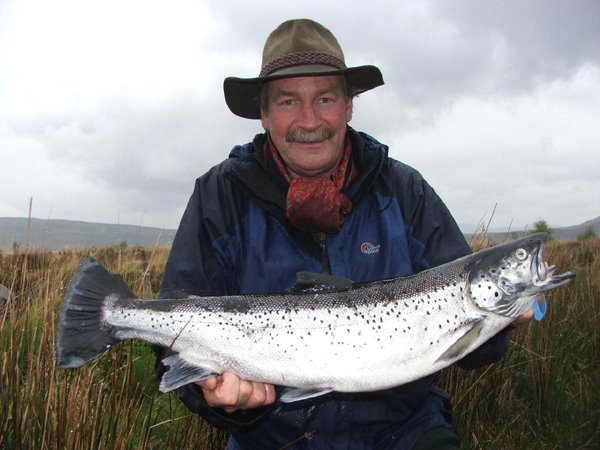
x: 543, y: 394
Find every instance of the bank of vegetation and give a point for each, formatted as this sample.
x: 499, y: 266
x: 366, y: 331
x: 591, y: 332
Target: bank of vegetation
x: 543, y: 395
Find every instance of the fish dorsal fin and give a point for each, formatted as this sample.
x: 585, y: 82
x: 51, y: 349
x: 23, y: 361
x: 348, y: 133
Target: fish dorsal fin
x: 178, y: 295
x: 460, y: 347
x: 181, y: 372
x: 291, y: 395
x: 318, y: 282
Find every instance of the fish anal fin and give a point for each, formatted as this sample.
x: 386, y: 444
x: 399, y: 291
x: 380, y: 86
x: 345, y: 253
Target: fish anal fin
x: 181, y: 372
x: 291, y: 395
x: 465, y: 342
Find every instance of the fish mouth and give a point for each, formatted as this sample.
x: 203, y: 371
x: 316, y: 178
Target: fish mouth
x: 544, y: 275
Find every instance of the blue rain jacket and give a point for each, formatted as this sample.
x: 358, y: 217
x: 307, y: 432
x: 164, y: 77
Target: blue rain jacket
x: 234, y: 238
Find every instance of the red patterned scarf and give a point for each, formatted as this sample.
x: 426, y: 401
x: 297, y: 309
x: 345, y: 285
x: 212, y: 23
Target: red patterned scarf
x: 317, y: 204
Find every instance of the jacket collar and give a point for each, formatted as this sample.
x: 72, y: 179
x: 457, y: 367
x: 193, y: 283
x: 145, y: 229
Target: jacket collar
x: 258, y: 179
x: 255, y: 172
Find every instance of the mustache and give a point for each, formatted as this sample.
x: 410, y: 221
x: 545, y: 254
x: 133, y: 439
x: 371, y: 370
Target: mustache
x: 307, y: 137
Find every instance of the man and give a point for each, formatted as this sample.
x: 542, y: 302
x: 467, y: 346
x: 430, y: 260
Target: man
x: 308, y: 195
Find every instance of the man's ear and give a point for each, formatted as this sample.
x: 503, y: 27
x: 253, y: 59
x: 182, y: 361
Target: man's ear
x: 349, y: 106
x: 264, y: 119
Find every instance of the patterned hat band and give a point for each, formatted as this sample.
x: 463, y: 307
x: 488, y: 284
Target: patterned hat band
x: 301, y: 58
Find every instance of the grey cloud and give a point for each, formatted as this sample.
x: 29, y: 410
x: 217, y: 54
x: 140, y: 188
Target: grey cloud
x: 148, y: 156
x: 433, y: 55
x: 537, y: 40
x: 432, y: 52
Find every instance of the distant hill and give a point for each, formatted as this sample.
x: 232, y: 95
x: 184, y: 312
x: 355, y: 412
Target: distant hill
x: 55, y: 234
x: 570, y: 233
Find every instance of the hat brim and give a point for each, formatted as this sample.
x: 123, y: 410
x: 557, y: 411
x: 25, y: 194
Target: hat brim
x: 241, y: 94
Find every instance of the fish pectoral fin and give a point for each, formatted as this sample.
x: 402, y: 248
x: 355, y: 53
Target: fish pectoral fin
x: 318, y: 282
x: 462, y: 344
x: 181, y: 372
x: 296, y: 394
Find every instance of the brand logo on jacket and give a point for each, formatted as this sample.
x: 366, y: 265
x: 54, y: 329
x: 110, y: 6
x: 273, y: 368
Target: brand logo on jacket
x: 369, y: 249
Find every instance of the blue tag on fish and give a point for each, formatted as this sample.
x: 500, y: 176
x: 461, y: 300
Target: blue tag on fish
x: 539, y: 308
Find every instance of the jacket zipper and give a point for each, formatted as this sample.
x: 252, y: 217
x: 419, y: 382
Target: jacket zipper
x: 324, y: 253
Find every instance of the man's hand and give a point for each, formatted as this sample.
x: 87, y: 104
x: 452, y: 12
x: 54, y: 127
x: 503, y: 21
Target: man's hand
x: 523, y: 318
x: 230, y: 392
x: 526, y: 317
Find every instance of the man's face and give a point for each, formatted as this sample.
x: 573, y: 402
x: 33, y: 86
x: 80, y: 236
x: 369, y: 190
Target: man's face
x: 306, y: 117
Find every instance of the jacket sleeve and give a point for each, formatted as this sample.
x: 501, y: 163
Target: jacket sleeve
x: 434, y: 239
x: 195, y: 269
x: 192, y: 266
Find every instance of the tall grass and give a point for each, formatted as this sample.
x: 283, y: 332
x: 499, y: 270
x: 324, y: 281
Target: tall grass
x: 543, y: 394
x: 111, y: 403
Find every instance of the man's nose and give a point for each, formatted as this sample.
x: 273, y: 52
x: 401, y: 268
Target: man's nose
x: 308, y: 117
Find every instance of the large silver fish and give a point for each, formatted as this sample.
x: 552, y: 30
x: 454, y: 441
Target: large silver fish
x: 327, y: 334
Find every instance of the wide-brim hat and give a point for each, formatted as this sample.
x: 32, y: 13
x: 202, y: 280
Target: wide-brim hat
x: 299, y: 47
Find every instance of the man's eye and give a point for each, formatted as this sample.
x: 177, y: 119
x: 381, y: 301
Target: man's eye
x: 326, y: 100
x: 287, y: 102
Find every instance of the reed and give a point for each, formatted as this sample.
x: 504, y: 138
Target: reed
x: 543, y: 394
x: 111, y: 403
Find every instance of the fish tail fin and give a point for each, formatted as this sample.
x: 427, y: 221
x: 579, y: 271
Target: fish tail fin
x: 82, y: 333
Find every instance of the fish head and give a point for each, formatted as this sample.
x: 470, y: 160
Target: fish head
x: 505, y: 279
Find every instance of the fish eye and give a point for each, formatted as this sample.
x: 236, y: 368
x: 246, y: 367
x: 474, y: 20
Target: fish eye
x: 520, y: 254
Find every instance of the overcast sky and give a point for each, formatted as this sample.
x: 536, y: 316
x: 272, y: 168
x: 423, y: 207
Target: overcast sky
x: 110, y: 109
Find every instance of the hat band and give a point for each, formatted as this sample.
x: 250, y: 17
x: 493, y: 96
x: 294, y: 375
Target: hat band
x: 301, y: 58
